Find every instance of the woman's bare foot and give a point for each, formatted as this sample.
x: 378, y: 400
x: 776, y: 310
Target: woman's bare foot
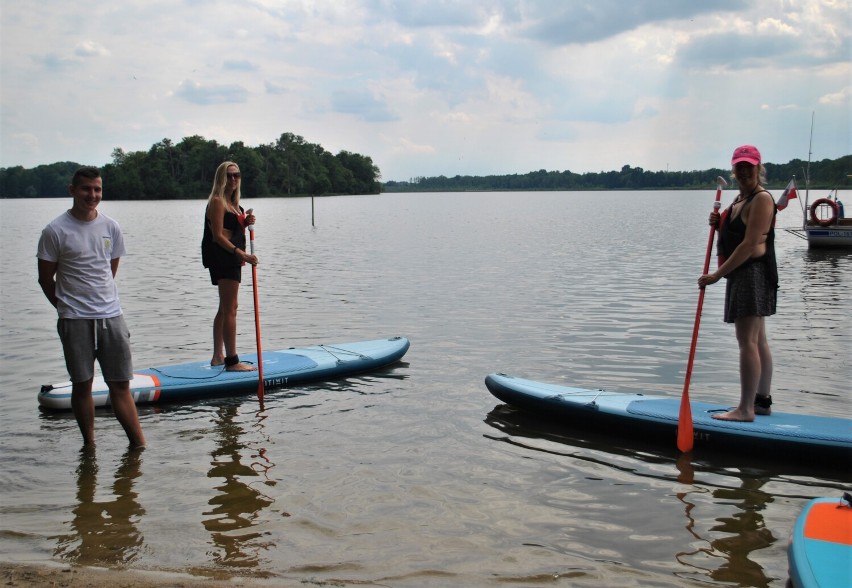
x: 217, y: 361
x: 241, y: 367
x: 762, y: 405
x: 735, y: 416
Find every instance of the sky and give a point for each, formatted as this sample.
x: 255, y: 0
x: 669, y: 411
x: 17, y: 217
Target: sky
x: 431, y: 87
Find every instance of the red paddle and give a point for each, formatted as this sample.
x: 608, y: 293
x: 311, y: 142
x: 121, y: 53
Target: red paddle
x: 685, y: 434
x: 256, y: 317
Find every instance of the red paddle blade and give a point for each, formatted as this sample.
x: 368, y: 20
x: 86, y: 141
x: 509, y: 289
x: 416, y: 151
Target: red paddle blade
x: 685, y: 433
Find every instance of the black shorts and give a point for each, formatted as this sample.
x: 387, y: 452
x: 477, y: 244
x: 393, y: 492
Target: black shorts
x: 225, y: 272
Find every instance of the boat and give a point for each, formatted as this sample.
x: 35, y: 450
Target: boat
x: 806, y: 438
x: 825, y: 224
x: 820, y: 549
x: 200, y: 380
x: 824, y: 221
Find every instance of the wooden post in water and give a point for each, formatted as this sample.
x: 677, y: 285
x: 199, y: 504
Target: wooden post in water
x: 312, y: 211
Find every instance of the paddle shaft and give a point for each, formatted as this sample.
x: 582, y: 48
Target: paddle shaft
x: 256, y: 318
x: 685, y: 433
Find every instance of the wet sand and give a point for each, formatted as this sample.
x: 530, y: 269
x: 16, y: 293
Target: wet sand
x: 38, y: 576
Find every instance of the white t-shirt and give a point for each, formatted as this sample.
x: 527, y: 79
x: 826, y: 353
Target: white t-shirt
x: 83, y: 250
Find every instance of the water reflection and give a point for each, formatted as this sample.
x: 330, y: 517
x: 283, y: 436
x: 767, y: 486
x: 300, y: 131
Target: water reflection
x: 262, y: 464
x: 235, y: 517
x: 746, y: 533
x: 726, y: 544
x: 726, y: 558
x: 104, y: 531
x: 824, y: 270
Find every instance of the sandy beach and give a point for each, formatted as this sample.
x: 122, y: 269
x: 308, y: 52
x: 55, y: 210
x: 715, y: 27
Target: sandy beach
x: 40, y: 576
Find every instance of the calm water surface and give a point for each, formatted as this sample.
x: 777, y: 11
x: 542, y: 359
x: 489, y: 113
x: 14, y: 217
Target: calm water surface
x: 417, y: 476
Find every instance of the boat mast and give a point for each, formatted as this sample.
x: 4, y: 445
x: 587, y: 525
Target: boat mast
x: 808, y: 172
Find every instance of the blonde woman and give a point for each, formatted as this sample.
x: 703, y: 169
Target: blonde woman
x: 223, y: 252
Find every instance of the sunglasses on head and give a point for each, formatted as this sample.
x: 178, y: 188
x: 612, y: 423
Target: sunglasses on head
x: 234, y: 176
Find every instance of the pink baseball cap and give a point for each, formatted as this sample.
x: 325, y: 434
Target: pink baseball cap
x: 747, y: 153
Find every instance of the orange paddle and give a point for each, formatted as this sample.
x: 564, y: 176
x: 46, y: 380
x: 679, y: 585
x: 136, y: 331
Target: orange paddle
x: 256, y: 318
x: 685, y: 434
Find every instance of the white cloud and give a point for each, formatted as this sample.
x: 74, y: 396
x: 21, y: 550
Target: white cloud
x: 428, y: 87
x: 841, y: 98
x: 198, y: 93
x: 404, y: 145
x: 91, y: 49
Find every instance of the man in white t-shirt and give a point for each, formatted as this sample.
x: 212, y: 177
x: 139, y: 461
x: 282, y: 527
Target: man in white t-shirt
x: 78, y: 255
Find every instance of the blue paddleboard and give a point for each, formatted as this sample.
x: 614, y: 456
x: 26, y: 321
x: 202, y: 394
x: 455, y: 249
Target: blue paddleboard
x: 794, y: 436
x: 197, y: 380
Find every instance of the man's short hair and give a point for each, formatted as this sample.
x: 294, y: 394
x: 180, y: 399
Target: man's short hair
x: 88, y: 172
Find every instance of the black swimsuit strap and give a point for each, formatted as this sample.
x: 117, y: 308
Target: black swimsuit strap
x: 755, y: 192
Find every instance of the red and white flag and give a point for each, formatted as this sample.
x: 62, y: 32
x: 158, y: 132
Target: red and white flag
x: 789, y: 194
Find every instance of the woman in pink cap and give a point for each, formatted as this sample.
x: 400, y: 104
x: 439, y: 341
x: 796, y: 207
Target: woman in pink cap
x: 747, y: 246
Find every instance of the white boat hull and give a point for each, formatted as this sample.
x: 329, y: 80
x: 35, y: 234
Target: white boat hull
x: 832, y: 236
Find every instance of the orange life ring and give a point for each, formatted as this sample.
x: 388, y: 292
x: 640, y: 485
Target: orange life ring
x: 820, y: 221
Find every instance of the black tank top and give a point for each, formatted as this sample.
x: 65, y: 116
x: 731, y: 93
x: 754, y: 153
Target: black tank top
x: 732, y: 232
x: 210, y: 252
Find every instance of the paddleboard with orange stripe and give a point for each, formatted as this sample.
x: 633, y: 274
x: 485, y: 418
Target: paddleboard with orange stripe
x: 284, y: 368
x: 820, y: 550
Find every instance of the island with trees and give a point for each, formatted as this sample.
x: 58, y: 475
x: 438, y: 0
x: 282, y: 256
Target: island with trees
x: 171, y: 171
x: 291, y: 166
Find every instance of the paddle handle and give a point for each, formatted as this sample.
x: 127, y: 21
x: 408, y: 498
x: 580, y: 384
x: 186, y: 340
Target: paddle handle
x: 717, y: 204
x: 251, y: 232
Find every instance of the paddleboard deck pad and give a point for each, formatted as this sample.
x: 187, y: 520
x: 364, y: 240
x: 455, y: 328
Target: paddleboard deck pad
x: 284, y: 368
x: 820, y: 549
x: 785, y: 435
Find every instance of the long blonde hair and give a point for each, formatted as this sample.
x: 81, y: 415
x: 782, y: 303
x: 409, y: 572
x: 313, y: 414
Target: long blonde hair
x: 220, y: 182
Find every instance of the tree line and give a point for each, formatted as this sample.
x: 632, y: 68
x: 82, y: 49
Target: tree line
x: 293, y: 167
x: 825, y: 174
x: 169, y: 171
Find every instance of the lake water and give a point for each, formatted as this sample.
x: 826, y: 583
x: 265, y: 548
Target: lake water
x: 417, y: 476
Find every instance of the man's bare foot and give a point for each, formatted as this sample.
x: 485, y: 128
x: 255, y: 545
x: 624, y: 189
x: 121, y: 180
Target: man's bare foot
x: 216, y: 361
x: 734, y: 416
x: 241, y: 367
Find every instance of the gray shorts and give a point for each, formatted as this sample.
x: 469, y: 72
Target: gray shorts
x: 104, y: 340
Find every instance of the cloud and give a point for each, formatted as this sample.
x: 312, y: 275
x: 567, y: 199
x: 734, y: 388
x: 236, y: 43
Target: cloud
x: 239, y: 65
x: 362, y: 104
x: 433, y: 13
x: 841, y: 98
x: 588, y: 22
x: 82, y: 52
x: 91, y: 49
x: 52, y: 61
x: 197, y: 93
x: 431, y: 87
x: 273, y: 88
x: 404, y: 145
